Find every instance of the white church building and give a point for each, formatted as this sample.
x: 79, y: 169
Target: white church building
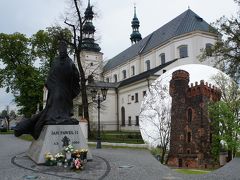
x: 129, y: 74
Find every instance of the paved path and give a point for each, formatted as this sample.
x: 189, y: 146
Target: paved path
x: 109, y: 164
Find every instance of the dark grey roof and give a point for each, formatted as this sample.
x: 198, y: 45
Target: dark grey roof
x: 186, y: 22
x: 145, y: 74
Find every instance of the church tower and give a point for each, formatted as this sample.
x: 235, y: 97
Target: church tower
x: 191, y: 130
x: 135, y: 36
x: 90, y: 55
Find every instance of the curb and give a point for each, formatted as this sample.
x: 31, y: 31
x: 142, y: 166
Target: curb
x: 120, y: 144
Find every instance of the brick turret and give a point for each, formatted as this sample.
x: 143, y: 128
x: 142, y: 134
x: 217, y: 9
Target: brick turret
x: 191, y: 133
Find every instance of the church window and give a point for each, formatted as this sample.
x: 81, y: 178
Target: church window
x: 132, y: 70
x: 107, y: 80
x: 124, y: 73
x: 144, y: 93
x: 189, y: 115
x: 137, y: 121
x: 183, y: 51
x: 115, y: 77
x: 132, y: 98
x: 136, y: 97
x: 189, y: 137
x: 162, y: 58
x: 208, y: 49
x: 147, y: 65
x: 129, y: 121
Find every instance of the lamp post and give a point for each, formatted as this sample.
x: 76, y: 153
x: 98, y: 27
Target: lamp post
x: 96, y: 97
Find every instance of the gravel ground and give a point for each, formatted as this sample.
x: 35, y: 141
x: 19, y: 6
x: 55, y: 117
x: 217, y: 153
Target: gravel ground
x: 109, y: 164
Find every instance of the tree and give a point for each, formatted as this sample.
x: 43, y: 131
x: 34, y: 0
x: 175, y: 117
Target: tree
x: 77, y: 25
x: 227, y: 49
x: 45, y: 44
x: 155, y: 117
x: 225, y: 116
x: 18, y: 74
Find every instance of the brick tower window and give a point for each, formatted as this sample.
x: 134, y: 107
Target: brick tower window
x: 189, y: 136
x: 189, y: 115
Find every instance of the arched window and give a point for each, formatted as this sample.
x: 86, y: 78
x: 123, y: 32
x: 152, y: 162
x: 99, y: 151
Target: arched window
x: 183, y: 51
x: 123, y: 116
x: 162, y: 58
x: 189, y: 115
x: 107, y: 79
x: 115, y: 78
x: 189, y: 137
x: 209, y: 49
x: 147, y: 65
x: 124, y: 73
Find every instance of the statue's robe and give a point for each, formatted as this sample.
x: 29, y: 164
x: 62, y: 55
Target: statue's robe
x: 63, y: 86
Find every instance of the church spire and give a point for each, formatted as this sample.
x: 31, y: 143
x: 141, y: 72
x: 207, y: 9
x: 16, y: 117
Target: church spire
x: 89, y: 30
x: 135, y: 36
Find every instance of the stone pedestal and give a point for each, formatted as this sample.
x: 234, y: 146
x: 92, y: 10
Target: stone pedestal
x: 53, y: 138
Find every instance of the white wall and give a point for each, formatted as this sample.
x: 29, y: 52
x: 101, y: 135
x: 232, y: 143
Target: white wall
x: 108, y: 112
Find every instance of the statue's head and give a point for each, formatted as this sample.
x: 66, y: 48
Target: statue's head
x: 63, y: 49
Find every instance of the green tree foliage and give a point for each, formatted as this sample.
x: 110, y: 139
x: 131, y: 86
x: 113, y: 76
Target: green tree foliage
x: 225, y: 117
x: 18, y: 74
x: 227, y: 49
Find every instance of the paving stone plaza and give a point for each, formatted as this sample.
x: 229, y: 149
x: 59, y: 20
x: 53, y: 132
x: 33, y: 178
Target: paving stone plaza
x: 109, y: 164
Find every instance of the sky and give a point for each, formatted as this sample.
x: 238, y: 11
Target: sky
x: 113, y: 22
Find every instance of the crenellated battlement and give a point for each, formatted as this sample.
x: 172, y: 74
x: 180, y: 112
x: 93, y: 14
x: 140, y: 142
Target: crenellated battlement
x: 204, y: 88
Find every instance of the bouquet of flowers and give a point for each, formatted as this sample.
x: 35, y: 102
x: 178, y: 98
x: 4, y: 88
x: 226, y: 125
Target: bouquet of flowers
x: 83, y: 154
x: 69, y: 148
x: 50, y: 159
x: 78, y: 164
x: 60, y: 158
x: 68, y: 152
x: 69, y: 157
x: 76, y: 154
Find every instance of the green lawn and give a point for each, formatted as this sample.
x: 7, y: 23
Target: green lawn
x: 119, y: 137
x: 192, y: 171
x: 7, y: 132
x: 116, y: 137
x: 26, y: 137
